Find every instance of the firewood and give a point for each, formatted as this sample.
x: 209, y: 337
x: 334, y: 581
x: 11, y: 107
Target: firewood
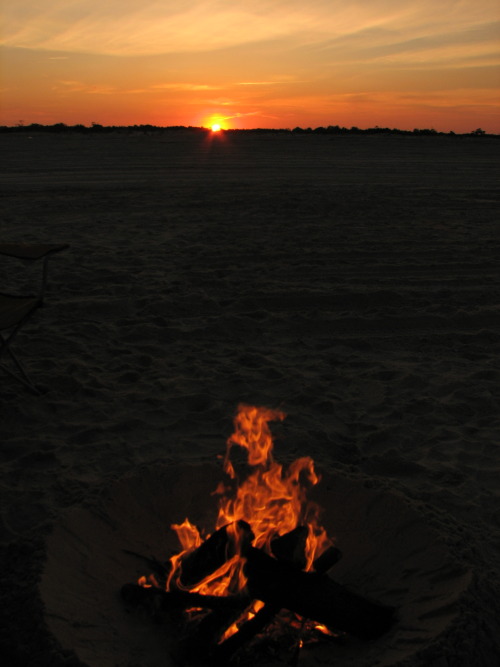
x: 135, y: 595
x: 203, y: 635
x: 291, y: 547
x: 288, y: 548
x: 315, y: 596
x: 212, y: 554
x: 327, y: 560
x: 223, y: 652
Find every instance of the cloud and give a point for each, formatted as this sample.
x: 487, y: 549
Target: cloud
x: 257, y: 83
x: 86, y: 88
x: 77, y: 86
x: 185, y: 86
x: 126, y: 27
x: 223, y: 102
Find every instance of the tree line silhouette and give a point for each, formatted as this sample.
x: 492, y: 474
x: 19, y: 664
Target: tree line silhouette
x: 96, y: 128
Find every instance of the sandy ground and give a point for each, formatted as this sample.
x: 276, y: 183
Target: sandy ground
x: 353, y: 282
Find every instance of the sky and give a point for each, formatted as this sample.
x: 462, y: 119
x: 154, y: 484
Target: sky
x: 252, y: 63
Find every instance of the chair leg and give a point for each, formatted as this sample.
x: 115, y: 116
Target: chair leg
x: 44, y: 278
x: 21, y: 375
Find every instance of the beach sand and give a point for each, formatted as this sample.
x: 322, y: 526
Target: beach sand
x: 351, y: 281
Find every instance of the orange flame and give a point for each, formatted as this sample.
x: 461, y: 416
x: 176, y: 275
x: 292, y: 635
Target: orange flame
x: 189, y: 535
x: 271, y: 499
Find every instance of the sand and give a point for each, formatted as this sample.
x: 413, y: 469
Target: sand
x: 351, y: 281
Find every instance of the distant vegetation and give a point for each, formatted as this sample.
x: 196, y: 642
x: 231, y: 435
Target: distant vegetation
x: 96, y: 128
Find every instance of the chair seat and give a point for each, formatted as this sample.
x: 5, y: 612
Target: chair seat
x: 13, y: 309
x: 30, y: 250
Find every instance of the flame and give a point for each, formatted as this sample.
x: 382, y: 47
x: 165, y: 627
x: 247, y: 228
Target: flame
x: 188, y: 535
x: 323, y: 629
x: 249, y: 613
x: 228, y: 579
x: 270, y: 498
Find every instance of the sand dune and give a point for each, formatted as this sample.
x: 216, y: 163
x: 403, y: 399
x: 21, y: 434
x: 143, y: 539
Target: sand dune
x: 352, y: 281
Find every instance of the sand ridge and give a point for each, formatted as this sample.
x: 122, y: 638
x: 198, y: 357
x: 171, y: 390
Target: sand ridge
x: 352, y: 281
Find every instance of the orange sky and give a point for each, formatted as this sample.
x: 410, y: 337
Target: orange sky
x: 253, y: 63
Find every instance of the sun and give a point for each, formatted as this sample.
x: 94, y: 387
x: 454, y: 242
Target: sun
x: 216, y: 127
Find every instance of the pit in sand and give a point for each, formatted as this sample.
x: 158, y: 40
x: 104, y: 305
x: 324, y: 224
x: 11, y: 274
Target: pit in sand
x: 389, y: 554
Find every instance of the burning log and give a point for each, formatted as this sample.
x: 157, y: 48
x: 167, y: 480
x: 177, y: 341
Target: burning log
x: 291, y: 547
x: 203, y: 638
x: 327, y: 560
x: 214, y: 552
x: 315, y: 596
x: 204, y: 632
x: 254, y: 507
x: 135, y: 595
x: 288, y: 548
x: 202, y: 562
x: 223, y: 652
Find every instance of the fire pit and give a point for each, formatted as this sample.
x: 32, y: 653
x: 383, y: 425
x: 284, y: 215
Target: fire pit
x: 269, y: 553
x: 248, y: 582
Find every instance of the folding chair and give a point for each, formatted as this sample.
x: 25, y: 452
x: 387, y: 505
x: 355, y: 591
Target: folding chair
x: 16, y: 310
x: 33, y: 252
x: 14, y: 313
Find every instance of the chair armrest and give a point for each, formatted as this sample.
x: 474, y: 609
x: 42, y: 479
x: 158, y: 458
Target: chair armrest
x: 30, y: 250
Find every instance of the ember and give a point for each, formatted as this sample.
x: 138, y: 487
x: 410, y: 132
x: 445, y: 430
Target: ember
x: 264, y: 568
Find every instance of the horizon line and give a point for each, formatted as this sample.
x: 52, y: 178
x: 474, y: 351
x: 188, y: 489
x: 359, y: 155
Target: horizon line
x: 329, y: 129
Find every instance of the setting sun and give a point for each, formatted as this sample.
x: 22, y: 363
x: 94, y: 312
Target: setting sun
x: 265, y: 65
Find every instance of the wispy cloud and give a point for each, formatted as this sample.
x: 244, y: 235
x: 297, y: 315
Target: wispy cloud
x: 125, y: 27
x: 222, y: 102
x: 184, y: 86
x: 241, y: 115
x: 257, y: 83
x: 87, y: 88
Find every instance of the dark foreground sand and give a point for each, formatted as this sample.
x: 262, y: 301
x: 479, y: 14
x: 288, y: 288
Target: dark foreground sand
x: 352, y: 281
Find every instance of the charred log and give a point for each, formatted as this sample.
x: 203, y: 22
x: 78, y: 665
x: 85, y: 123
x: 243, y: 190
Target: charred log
x: 136, y: 595
x: 291, y: 547
x: 315, y: 596
x: 203, y: 634
x: 223, y: 652
x: 213, y: 553
x: 327, y: 560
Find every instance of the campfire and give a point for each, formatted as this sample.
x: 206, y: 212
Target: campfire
x: 261, y: 576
